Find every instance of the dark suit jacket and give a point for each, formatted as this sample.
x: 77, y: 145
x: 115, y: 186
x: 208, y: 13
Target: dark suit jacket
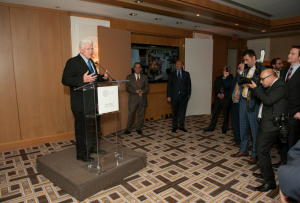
x: 217, y: 86
x: 230, y: 84
x: 253, y: 99
x: 174, y: 87
x: 294, y: 91
x: 289, y: 176
x: 132, y: 86
x: 274, y: 104
x: 73, y: 76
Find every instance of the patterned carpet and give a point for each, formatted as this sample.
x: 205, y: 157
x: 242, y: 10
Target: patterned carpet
x: 182, y: 167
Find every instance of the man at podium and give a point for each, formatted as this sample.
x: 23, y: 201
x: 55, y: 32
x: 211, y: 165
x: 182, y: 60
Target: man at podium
x: 78, y: 71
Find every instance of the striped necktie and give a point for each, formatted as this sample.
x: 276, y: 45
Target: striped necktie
x: 245, y: 90
x: 288, y: 77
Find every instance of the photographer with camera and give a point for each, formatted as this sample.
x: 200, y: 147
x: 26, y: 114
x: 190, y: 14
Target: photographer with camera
x: 272, y: 115
x: 249, y: 104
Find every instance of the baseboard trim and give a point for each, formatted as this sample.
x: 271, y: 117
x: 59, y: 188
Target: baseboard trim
x: 36, y: 141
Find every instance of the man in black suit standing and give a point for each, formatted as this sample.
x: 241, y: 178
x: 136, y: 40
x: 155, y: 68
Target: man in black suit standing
x: 273, y: 103
x: 277, y: 65
x: 137, y: 87
x: 292, y: 78
x: 221, y: 101
x: 178, y: 93
x: 78, y: 71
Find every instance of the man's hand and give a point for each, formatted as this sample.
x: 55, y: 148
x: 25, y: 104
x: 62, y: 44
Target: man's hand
x: 225, y: 74
x: 138, y: 91
x: 169, y: 99
x: 106, y: 75
x: 237, y: 96
x: 140, y: 94
x: 297, y: 115
x: 221, y: 96
x: 241, y: 67
x: 89, y: 78
x: 283, y: 198
x: 252, y: 85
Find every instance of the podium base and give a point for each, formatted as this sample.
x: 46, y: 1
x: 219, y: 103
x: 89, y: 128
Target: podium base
x: 64, y: 170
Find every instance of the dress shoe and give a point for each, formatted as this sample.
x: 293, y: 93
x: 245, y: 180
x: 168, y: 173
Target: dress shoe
x: 85, y: 159
x: 239, y: 154
x: 100, y: 152
x: 252, y: 161
x: 127, y: 132
x: 139, y: 132
x: 174, y: 130
x: 265, y: 187
x: 224, y: 131
x: 207, y: 130
x: 183, y: 129
x: 258, y: 175
x: 277, y: 165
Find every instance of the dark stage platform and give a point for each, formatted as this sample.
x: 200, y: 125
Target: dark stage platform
x: 66, y: 172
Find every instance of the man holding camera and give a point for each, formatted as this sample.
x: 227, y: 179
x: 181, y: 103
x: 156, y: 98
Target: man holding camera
x: 273, y: 105
x: 249, y: 105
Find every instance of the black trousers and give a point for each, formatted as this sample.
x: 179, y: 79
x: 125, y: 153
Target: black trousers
x: 294, y: 134
x: 179, y: 106
x: 85, y: 133
x: 264, y: 143
x: 235, y: 117
x: 220, y: 104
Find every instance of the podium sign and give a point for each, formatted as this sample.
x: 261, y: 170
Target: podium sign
x: 108, y: 99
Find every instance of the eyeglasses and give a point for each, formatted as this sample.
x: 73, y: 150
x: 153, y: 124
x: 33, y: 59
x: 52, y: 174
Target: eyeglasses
x: 264, y: 78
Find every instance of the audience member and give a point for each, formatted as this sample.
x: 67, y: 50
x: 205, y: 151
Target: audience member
x: 277, y: 65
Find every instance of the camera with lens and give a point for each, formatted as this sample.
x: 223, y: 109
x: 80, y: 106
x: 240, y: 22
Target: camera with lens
x: 282, y: 122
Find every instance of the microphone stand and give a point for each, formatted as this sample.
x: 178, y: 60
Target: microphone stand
x: 105, y: 71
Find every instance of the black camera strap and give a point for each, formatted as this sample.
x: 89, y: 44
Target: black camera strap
x: 250, y: 109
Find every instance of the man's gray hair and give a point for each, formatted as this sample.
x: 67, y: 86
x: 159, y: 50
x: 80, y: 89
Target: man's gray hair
x: 82, y: 42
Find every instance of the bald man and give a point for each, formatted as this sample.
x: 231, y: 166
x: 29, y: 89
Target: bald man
x: 178, y: 93
x: 273, y: 103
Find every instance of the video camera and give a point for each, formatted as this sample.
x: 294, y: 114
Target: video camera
x: 282, y: 122
x: 256, y: 78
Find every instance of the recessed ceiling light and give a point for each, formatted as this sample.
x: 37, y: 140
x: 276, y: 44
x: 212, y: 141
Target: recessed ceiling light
x: 264, y: 30
x: 197, y: 26
x: 236, y: 24
x: 158, y: 18
x: 198, y: 15
x: 178, y: 22
x: 138, y: 2
x: 133, y: 14
x: 57, y: 7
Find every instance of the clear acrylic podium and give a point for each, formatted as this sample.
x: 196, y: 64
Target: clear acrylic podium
x: 93, y: 96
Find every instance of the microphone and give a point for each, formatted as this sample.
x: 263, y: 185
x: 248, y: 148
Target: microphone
x: 105, y: 71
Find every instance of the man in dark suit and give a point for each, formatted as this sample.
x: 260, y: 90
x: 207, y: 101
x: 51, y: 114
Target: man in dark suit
x: 277, y: 65
x: 78, y: 71
x: 137, y: 87
x: 235, y: 93
x: 221, y: 101
x: 273, y: 103
x: 289, y: 176
x: 178, y: 93
x: 249, y: 106
x: 292, y: 78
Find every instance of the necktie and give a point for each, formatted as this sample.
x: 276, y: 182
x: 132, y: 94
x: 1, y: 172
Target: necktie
x: 236, y: 90
x: 288, y: 77
x: 178, y: 77
x: 90, y: 66
x: 138, y: 80
x: 222, y: 90
x: 245, y: 90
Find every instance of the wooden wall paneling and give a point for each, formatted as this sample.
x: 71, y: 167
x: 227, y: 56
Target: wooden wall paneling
x: 38, y: 67
x: 66, y: 44
x: 115, y: 55
x: 155, y: 40
x: 9, y: 119
x: 280, y: 47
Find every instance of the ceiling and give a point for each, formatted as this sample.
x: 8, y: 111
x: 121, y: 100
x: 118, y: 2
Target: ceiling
x: 252, y: 16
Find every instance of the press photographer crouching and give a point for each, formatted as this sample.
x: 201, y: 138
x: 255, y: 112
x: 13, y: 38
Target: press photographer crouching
x: 273, y: 107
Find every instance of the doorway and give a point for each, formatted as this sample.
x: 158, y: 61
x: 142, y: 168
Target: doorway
x: 232, y: 60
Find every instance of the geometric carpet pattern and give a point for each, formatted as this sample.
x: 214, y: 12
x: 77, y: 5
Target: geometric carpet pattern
x: 181, y: 167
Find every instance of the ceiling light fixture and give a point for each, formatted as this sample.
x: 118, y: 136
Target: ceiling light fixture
x: 133, y: 14
x: 198, y: 15
x: 57, y: 7
x: 158, y: 18
x: 264, y: 30
x: 138, y: 2
x: 236, y: 24
x: 178, y: 22
x: 197, y: 26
